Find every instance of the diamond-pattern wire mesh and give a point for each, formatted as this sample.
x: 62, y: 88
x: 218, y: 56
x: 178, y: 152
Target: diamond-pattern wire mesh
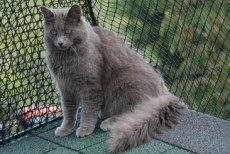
x: 187, y: 40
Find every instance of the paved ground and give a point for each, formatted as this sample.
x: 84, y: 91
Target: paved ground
x: 201, y: 133
x: 43, y: 141
x: 198, y: 133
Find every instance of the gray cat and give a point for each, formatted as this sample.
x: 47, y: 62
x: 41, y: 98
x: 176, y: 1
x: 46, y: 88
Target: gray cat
x: 95, y: 70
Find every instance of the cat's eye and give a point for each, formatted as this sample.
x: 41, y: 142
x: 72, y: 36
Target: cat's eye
x: 67, y: 31
x: 53, y: 32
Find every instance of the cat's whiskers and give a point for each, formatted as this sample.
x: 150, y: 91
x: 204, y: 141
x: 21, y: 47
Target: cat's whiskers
x: 76, y: 53
x: 75, y: 50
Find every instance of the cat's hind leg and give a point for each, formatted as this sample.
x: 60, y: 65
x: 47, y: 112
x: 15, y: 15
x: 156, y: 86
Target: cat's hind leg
x: 107, y: 123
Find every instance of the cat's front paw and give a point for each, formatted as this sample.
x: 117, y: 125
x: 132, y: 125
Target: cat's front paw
x: 84, y: 131
x: 60, y: 131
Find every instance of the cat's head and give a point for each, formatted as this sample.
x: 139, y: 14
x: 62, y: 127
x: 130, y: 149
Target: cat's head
x: 64, y: 27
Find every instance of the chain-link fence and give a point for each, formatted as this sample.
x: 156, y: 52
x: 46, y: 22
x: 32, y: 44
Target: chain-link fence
x: 188, y: 40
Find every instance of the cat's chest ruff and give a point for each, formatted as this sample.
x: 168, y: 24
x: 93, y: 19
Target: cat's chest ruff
x: 63, y: 67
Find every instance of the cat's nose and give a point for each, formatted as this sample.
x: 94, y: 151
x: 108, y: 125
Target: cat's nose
x: 60, y: 44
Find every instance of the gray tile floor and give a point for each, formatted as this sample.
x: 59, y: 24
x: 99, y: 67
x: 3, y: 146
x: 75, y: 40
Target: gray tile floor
x: 43, y: 141
x: 198, y: 133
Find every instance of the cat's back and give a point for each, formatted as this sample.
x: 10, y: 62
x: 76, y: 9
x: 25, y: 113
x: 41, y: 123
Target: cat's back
x: 120, y: 57
x: 124, y: 67
x: 107, y: 37
x: 114, y: 49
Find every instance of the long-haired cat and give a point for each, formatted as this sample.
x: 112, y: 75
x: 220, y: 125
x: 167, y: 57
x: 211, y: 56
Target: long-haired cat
x: 93, y: 68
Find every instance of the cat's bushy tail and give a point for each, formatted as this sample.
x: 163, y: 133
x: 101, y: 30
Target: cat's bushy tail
x: 148, y: 119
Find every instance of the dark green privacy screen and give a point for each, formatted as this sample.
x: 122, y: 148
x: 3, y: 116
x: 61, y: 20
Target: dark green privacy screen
x: 187, y: 40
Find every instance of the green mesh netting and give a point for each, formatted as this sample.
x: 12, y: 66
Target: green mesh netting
x: 188, y: 40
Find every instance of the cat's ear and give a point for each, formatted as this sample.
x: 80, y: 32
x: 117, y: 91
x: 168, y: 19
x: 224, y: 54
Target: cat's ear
x: 48, y: 14
x: 74, y: 12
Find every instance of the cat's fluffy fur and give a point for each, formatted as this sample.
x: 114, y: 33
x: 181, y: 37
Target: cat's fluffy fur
x: 93, y: 68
